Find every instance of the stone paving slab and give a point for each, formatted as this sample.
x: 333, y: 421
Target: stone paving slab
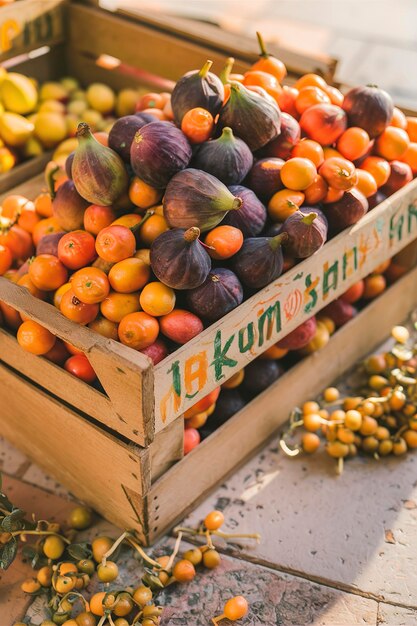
x: 389, y: 615
x: 36, y: 476
x: 12, y: 461
x: 274, y: 599
x: 355, y: 531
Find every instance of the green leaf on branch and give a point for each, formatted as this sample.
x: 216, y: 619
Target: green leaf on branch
x: 14, y: 521
x: 7, y: 553
x: 80, y: 551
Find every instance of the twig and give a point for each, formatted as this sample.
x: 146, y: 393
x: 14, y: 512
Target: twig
x: 174, y: 552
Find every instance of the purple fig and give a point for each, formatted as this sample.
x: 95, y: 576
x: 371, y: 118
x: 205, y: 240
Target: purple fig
x: 68, y: 164
x: 265, y: 177
x: 253, y: 118
x: 179, y: 260
x: 159, y: 151
x: 68, y: 206
x: 227, y: 158
x: 351, y: 207
x: 261, y: 374
x: 198, y: 88
x: 220, y: 293
x: 251, y: 217
x: 123, y: 132
x: 195, y: 198
x: 307, y: 232
x: 259, y: 261
x: 48, y: 244
x: 98, y: 172
x: 289, y: 136
x: 369, y: 108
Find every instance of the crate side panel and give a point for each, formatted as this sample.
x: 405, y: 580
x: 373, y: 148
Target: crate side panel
x: 94, y: 466
x: 196, y: 368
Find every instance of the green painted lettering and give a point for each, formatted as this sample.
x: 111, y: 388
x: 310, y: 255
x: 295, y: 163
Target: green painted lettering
x: 346, y: 272
x: 396, y: 228
x: 244, y: 347
x: 330, y: 277
x: 269, y: 314
x: 412, y: 212
x: 221, y: 359
x: 176, y: 377
x: 311, y: 292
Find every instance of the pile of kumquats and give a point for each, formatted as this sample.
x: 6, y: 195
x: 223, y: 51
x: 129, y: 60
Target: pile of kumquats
x: 65, y: 570
x: 381, y: 420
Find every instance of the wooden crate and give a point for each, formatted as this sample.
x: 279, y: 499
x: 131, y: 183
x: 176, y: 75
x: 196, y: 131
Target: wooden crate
x: 48, y: 39
x: 140, y: 399
x: 118, y: 479
x: 73, y: 430
x: 28, y: 30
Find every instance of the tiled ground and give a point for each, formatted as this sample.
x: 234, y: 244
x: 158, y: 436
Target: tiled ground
x: 323, y: 560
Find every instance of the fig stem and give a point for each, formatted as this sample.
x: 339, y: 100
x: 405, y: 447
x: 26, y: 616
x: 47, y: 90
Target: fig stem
x: 137, y: 226
x: 205, y: 69
x: 192, y: 234
x: 51, y: 182
x: 226, y: 71
x: 278, y: 240
x: 237, y: 203
x: 264, y: 54
x: 206, y: 246
x: 309, y: 218
x: 235, y: 86
x: 227, y: 134
x: 83, y: 131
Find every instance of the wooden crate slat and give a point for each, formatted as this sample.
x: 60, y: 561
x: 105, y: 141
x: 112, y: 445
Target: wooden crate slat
x: 170, y: 56
x: 46, y: 374
x: 196, y: 368
x: 24, y: 171
x: 29, y: 188
x: 125, y: 374
x: 231, y: 444
x: 167, y: 448
x: 30, y: 24
x: 240, y: 46
x: 82, y: 65
x: 95, y: 466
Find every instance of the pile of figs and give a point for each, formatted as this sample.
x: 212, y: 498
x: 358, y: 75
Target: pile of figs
x: 287, y: 167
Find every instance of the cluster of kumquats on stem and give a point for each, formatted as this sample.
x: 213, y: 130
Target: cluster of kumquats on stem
x: 380, y: 421
x: 63, y: 569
